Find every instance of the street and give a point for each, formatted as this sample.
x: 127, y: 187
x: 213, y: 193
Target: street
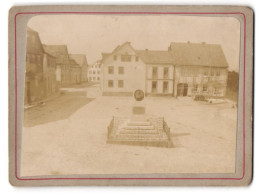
x: 70, y: 137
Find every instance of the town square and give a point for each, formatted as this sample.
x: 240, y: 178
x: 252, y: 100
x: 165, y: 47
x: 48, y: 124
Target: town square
x: 106, y: 100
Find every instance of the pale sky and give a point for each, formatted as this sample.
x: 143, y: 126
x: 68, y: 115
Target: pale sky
x: 94, y: 34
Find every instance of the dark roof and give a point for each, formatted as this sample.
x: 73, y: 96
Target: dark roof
x: 190, y: 54
x: 79, y: 58
x: 33, y: 44
x: 158, y: 57
x: 73, y: 63
x: 105, y: 55
x: 198, y: 54
x: 59, y: 51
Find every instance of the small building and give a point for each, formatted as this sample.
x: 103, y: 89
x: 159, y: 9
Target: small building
x: 81, y: 60
x: 123, y: 71
x: 40, y: 76
x: 75, y: 72
x: 62, y: 61
x: 94, y: 72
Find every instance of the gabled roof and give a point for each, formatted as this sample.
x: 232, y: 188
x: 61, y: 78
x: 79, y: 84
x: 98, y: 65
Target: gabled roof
x: 73, y: 63
x: 188, y: 54
x: 59, y: 51
x: 33, y: 44
x: 198, y: 54
x: 79, y: 58
x: 56, y: 50
x: 105, y: 55
x: 157, y: 57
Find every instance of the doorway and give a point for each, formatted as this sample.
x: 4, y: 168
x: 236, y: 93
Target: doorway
x: 182, y: 89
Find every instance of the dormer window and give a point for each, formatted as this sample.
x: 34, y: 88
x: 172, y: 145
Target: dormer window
x: 115, y: 57
x: 125, y: 58
x: 136, y: 58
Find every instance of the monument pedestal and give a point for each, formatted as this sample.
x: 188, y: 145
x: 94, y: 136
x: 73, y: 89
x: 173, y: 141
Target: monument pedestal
x: 139, y: 129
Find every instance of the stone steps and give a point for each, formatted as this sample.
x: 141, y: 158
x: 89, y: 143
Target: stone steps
x: 137, y: 131
x: 139, y: 127
x: 141, y: 136
x: 136, y: 123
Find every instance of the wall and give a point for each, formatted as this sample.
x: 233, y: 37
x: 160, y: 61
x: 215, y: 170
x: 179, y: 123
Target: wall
x: 134, y: 72
x: 160, y: 79
x: 196, y: 76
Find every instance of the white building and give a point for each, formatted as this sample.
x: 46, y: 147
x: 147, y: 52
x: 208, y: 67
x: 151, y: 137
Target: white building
x: 185, y: 69
x: 123, y: 71
x: 94, y: 72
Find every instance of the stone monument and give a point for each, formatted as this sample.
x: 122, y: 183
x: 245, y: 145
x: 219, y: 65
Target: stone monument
x: 139, y: 129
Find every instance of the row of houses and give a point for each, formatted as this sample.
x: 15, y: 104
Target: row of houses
x: 49, y: 67
x: 185, y: 69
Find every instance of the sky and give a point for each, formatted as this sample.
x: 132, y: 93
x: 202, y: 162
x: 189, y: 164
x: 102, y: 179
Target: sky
x: 94, y: 34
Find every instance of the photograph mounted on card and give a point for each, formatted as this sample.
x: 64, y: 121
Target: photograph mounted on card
x: 130, y: 95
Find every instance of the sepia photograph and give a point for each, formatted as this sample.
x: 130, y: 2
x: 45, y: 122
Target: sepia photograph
x: 129, y: 94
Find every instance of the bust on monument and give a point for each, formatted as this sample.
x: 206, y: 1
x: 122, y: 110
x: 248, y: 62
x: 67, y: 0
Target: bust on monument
x: 138, y: 107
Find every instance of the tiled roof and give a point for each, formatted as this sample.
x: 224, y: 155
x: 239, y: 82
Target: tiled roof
x: 190, y: 54
x: 34, y: 44
x: 198, y: 54
x: 79, y: 58
x: 73, y: 63
x: 158, y: 57
x: 59, y: 51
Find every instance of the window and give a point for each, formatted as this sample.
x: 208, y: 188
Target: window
x: 205, y: 88
x: 110, y: 70
x: 115, y: 57
x: 212, y: 72
x: 94, y: 78
x: 125, y: 58
x: 165, y: 72
x: 206, y: 72
x: 94, y: 72
x: 110, y: 83
x: 120, y: 83
x: 98, y: 78
x: 218, y: 73
x: 165, y: 87
x: 32, y: 59
x: 98, y: 72
x: 90, y: 72
x: 121, y: 70
x: 154, y: 72
x: 195, y: 88
x: 39, y: 59
x: 216, y: 89
x: 136, y: 58
x: 154, y: 86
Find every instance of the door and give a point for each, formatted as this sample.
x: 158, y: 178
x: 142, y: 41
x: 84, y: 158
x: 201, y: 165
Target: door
x: 182, y: 89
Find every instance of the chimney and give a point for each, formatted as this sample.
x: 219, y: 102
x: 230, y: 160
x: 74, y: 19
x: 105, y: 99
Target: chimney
x: 146, y: 50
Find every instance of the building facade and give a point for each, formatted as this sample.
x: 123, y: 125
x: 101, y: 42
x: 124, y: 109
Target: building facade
x: 60, y: 52
x: 81, y: 60
x: 75, y: 72
x: 94, y: 72
x: 185, y: 69
x: 122, y: 71
x: 40, y: 76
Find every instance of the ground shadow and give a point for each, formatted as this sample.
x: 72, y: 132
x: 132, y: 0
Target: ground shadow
x: 59, y: 108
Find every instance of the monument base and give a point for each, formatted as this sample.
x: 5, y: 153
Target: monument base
x: 143, y: 131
